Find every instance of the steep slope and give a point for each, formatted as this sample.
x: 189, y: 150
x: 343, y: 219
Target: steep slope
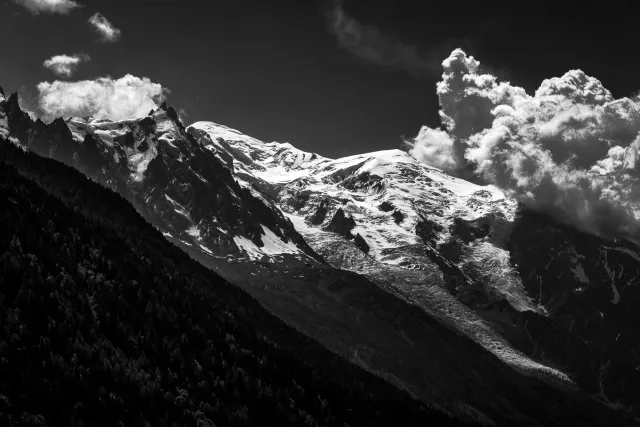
x: 463, y: 253
x: 172, y: 180
x: 590, y: 288
x: 104, y: 322
x: 382, y: 215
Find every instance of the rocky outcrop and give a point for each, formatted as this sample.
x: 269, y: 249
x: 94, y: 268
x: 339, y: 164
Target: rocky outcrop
x: 385, y: 206
x: 341, y: 224
x: 361, y: 243
x: 19, y: 122
x: 177, y: 183
x: 398, y: 216
x: 428, y: 230
x: 320, y: 213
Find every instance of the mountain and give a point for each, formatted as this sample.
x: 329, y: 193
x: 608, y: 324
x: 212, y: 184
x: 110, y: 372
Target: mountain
x: 546, y: 299
x: 104, y: 322
x: 403, y: 224
x: 392, y: 264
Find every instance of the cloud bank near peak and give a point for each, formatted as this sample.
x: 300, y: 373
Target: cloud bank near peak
x: 103, y: 98
x: 106, y: 30
x: 62, y: 7
x: 65, y: 65
x: 570, y: 149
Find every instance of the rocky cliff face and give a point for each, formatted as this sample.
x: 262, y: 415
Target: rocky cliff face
x: 181, y: 186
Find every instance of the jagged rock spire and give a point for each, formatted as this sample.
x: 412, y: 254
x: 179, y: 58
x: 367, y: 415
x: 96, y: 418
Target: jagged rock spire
x: 13, y: 101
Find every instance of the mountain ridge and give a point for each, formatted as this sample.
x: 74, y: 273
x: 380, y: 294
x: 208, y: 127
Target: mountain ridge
x: 347, y: 265
x: 476, y: 247
x: 107, y: 323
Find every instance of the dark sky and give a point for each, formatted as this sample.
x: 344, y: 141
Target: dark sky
x: 276, y: 71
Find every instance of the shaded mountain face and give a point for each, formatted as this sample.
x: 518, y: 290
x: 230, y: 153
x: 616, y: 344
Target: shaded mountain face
x: 547, y: 300
x: 395, y: 265
x: 589, y: 288
x: 176, y: 183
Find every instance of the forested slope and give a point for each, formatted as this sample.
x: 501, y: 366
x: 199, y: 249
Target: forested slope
x: 103, y: 322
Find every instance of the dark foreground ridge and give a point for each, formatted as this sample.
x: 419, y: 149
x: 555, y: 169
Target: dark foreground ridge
x: 104, y: 322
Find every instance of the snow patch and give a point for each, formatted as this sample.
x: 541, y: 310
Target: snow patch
x: 273, y: 245
x: 177, y: 207
x: 578, y: 273
x: 612, y: 275
x: 140, y: 161
x: 206, y: 249
x: 194, y: 232
x: 248, y: 246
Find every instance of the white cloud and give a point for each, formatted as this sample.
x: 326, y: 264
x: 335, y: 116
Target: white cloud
x: 108, y: 33
x: 65, y: 65
x: 570, y: 149
x: 126, y: 97
x: 62, y: 7
x: 435, y: 145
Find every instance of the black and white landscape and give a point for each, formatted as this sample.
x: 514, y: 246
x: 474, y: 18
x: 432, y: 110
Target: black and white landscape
x: 160, y: 271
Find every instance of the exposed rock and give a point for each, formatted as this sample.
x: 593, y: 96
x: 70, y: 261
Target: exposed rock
x: 321, y: 213
x: 148, y: 125
x: 363, y: 181
x: 385, y: 206
x: 19, y: 121
x: 126, y: 140
x: 171, y: 112
x: 428, y: 230
x: 398, y: 216
x: 180, y: 186
x: 341, y: 224
x: 361, y: 243
x: 143, y: 146
x: 468, y: 231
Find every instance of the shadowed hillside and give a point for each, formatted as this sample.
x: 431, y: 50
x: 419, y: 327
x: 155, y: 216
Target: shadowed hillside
x: 106, y: 323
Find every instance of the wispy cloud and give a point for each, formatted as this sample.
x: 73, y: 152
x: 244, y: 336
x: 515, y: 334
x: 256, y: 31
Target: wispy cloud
x: 115, y: 99
x: 62, y: 7
x: 108, y: 33
x: 372, y: 44
x: 182, y: 113
x: 65, y: 65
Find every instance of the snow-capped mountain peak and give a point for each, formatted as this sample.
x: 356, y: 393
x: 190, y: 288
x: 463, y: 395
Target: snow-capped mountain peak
x: 511, y: 280
x: 460, y: 251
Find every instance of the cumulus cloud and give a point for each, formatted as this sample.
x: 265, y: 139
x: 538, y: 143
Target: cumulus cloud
x: 108, y: 33
x: 103, y: 98
x: 435, y: 145
x: 65, y: 65
x: 62, y: 7
x: 369, y: 43
x: 570, y: 149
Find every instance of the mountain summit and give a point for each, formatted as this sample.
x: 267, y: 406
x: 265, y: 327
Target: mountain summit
x: 548, y: 300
